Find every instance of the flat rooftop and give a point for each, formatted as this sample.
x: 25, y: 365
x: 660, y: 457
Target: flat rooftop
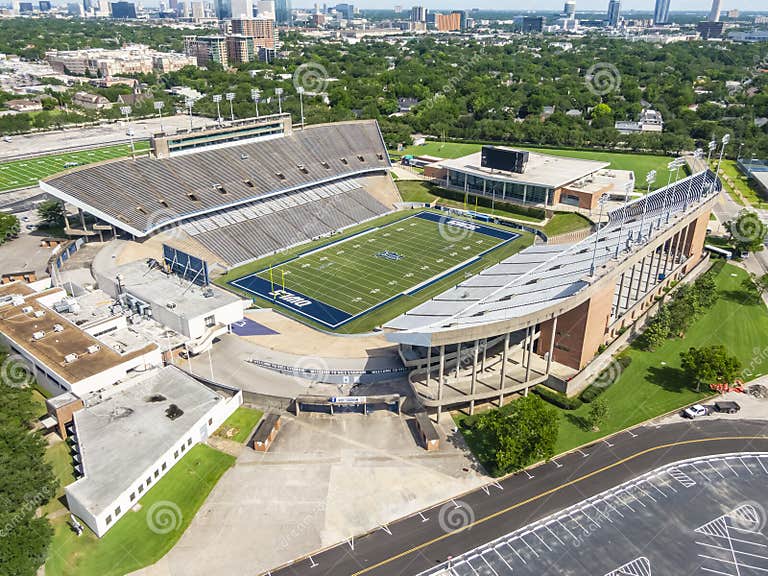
x: 157, y: 287
x: 121, y: 437
x: 61, y: 337
x: 541, y: 169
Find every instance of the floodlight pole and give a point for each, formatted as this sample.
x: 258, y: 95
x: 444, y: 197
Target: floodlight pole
x: 650, y: 178
x: 255, y: 96
x: 159, y: 107
x: 623, y: 216
x: 725, y: 140
x: 711, y: 147
x: 279, y: 94
x: 698, y: 153
x: 671, y: 166
x: 230, y: 98
x: 300, y: 90
x: 126, y: 111
x: 190, y: 103
x: 217, y: 99
x: 603, y: 199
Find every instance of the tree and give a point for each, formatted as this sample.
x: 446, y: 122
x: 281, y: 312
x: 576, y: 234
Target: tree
x: 598, y: 413
x: 748, y: 231
x: 657, y: 330
x: 518, y: 435
x: 709, y: 365
x: 51, y: 212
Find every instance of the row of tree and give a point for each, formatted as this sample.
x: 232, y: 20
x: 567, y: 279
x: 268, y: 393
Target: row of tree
x: 27, y: 481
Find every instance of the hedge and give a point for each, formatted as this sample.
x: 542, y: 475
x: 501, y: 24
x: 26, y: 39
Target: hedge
x: 557, y: 398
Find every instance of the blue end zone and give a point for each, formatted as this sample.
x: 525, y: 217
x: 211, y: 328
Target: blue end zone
x: 332, y: 317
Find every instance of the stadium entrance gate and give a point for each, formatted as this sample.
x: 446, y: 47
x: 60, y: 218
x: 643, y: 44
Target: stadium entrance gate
x: 348, y: 404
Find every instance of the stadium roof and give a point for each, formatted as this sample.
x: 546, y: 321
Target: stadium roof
x: 541, y: 169
x: 541, y: 275
x: 147, y: 194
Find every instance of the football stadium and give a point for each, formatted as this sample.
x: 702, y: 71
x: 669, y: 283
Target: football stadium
x: 308, y: 222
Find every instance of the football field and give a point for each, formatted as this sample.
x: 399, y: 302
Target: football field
x: 27, y: 172
x: 341, y: 281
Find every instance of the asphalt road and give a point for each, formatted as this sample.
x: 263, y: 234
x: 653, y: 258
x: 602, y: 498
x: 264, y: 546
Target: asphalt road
x: 419, y: 542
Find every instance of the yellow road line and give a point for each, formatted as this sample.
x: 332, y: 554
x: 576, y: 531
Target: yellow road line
x: 551, y: 491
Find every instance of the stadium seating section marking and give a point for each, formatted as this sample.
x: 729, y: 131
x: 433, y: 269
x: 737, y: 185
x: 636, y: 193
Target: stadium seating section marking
x: 345, y: 280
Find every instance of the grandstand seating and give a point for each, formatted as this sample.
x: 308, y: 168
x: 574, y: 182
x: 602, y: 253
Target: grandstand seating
x: 261, y: 227
x: 145, y: 194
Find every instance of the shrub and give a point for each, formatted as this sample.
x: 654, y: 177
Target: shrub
x: 591, y: 393
x: 557, y: 398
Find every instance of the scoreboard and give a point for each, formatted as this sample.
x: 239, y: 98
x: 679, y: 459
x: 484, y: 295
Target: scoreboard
x: 504, y: 159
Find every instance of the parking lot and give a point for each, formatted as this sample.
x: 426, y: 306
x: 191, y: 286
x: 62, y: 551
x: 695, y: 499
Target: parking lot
x: 705, y: 516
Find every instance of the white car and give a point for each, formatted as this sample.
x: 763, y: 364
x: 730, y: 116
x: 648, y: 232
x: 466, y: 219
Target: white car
x: 695, y: 411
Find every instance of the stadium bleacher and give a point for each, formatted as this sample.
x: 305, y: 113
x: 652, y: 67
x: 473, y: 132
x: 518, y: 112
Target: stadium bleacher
x: 144, y: 195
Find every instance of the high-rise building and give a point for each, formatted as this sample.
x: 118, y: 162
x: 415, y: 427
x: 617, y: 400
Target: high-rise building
x: 197, y: 9
x: 123, y: 10
x: 661, y: 12
x: 223, y: 9
x: 418, y: 14
x: 714, y: 14
x: 569, y: 10
x: 709, y: 29
x: 241, y: 8
x: 262, y: 30
x: 207, y: 49
x: 462, y: 18
x: 44, y: 5
x: 448, y: 22
x: 283, y: 12
x: 347, y: 11
x: 533, y: 24
x: 614, y: 13
x: 266, y: 9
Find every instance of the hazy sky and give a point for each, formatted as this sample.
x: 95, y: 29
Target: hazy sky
x: 701, y: 5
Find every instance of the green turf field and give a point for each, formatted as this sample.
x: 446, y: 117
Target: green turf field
x: 27, y: 172
x: 640, y: 164
x: 354, y: 276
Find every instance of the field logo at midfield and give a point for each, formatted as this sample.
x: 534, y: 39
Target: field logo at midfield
x: 288, y: 298
x: 463, y: 224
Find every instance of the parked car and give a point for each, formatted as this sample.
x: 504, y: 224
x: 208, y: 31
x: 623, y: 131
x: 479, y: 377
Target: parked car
x: 727, y: 407
x: 695, y: 411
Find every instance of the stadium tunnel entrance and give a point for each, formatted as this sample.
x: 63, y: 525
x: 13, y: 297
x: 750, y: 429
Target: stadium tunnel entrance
x: 348, y: 404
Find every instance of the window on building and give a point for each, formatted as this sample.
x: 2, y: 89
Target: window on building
x: 117, y: 511
x: 149, y: 480
x: 109, y: 519
x: 189, y: 441
x: 157, y: 473
x: 133, y: 496
x: 141, y: 488
x: 210, y: 421
x: 176, y: 454
x: 164, y: 466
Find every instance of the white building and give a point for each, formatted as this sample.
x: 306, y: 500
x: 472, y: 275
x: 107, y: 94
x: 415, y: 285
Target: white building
x: 61, y: 356
x: 650, y: 121
x: 132, y: 438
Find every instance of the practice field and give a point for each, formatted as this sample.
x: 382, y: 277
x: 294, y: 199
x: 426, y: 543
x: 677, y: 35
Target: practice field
x: 347, y: 279
x: 27, y: 172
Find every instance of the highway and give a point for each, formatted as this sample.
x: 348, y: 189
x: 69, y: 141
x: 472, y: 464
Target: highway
x: 416, y: 543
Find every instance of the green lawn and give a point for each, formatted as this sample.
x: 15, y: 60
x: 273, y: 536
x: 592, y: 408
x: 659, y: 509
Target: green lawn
x: 27, y: 172
x: 563, y: 222
x: 374, y: 272
x: 743, y: 185
x: 641, y: 164
x: 132, y: 544
x: 240, y: 424
x: 653, y: 383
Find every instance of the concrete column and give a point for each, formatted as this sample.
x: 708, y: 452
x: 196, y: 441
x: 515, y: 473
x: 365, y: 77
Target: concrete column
x: 458, y: 359
x: 688, y: 234
x: 474, y: 378
x: 618, y: 297
x: 440, y: 376
x: 629, y: 288
x: 551, y: 345
x: 485, y: 354
x: 82, y: 217
x: 650, y: 272
x: 530, y: 354
x: 658, y: 265
x: 429, y: 364
x: 670, y: 243
x: 640, y: 279
x: 504, y: 355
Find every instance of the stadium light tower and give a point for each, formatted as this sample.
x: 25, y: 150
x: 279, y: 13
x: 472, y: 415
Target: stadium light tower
x: 697, y: 154
x: 627, y: 189
x: 279, y: 94
x: 126, y: 111
x: 711, y: 147
x: 230, y: 98
x: 190, y: 103
x: 602, y: 201
x: 674, y: 165
x: 650, y: 178
x: 726, y: 139
x: 217, y: 99
x: 300, y: 90
x: 159, y: 107
x: 256, y: 96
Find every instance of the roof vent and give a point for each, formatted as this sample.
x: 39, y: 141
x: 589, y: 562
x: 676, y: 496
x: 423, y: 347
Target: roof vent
x: 38, y: 335
x: 171, y: 305
x: 39, y: 313
x: 27, y: 309
x: 173, y: 412
x: 69, y: 358
x: 93, y: 348
x: 58, y: 328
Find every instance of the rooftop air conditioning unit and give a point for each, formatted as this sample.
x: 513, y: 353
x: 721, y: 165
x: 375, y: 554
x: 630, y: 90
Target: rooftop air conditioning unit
x: 17, y: 299
x: 39, y: 313
x: 171, y: 305
x: 38, y: 335
x: 27, y: 309
x: 58, y: 328
x: 93, y: 349
x: 69, y: 358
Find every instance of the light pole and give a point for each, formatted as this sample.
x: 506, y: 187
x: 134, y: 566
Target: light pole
x: 159, y: 107
x: 217, y: 99
x: 711, y: 147
x: 190, y: 103
x: 279, y: 94
x: 725, y: 140
x: 256, y: 96
x: 603, y: 199
x: 674, y: 165
x: 627, y: 188
x: 697, y: 154
x: 126, y: 111
x: 650, y: 178
x: 230, y: 98
x: 300, y: 90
